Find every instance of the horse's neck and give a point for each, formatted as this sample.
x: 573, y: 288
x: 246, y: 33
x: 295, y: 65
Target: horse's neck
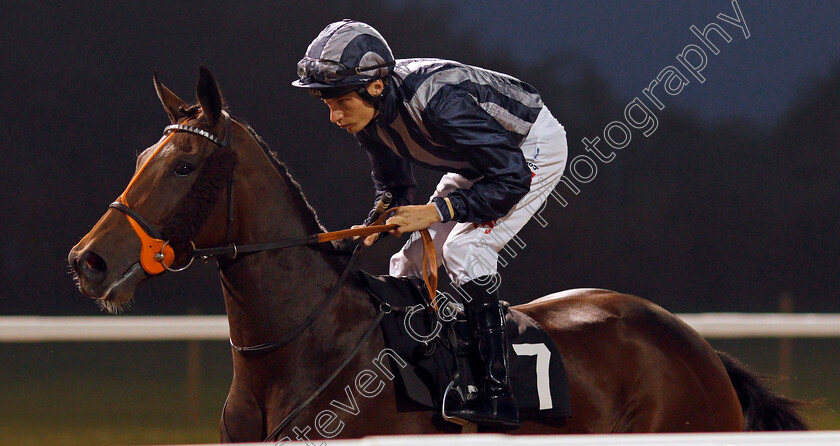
x: 266, y: 294
x: 269, y: 294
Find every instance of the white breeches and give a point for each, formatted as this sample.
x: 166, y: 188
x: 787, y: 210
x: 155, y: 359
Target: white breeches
x: 469, y: 250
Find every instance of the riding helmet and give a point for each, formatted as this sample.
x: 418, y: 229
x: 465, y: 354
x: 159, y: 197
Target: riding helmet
x: 345, y: 57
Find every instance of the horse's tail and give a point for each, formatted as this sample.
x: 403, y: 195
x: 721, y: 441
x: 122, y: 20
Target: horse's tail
x: 763, y: 409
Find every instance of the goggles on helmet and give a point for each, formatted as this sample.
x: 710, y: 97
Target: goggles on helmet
x: 329, y: 71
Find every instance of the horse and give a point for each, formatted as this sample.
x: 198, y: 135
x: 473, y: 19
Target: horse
x: 212, y: 182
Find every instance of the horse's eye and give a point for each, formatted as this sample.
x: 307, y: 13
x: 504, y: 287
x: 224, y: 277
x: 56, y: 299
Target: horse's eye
x: 183, y: 169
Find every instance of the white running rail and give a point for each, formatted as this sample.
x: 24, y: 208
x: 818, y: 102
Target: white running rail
x: 825, y: 438
x: 14, y: 329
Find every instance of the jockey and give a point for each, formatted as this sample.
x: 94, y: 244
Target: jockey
x: 502, y: 151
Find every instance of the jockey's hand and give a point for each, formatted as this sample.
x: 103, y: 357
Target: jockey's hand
x: 369, y: 239
x: 413, y: 218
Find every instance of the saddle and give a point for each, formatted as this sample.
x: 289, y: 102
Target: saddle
x: 432, y: 355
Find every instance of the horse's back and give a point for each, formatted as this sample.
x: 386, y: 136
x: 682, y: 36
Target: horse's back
x: 634, y: 367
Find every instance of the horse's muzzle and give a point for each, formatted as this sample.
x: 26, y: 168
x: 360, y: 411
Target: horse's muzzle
x: 90, y: 270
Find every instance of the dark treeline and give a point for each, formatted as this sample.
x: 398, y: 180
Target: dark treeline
x: 700, y: 216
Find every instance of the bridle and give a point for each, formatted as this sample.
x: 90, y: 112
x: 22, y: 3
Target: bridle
x: 157, y: 255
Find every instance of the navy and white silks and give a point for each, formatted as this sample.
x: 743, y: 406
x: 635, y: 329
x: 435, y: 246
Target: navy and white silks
x: 501, y: 148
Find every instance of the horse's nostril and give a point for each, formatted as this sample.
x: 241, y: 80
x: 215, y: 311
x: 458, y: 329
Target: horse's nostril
x: 93, y: 263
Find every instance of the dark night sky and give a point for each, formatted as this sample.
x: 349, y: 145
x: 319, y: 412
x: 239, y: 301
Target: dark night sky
x: 78, y: 103
x: 630, y: 41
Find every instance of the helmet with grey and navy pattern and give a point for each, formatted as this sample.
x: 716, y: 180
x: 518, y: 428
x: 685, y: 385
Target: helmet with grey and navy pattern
x: 344, y: 56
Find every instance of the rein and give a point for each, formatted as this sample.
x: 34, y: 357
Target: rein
x: 268, y: 347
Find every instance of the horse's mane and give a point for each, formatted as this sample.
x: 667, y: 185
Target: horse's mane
x: 294, y: 186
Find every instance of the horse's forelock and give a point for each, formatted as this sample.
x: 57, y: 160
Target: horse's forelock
x: 188, y: 110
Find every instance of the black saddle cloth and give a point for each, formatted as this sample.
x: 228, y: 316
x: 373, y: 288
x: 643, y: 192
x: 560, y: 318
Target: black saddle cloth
x: 538, y: 378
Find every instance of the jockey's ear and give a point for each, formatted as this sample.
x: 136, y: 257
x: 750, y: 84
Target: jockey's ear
x: 171, y: 102
x: 209, y: 97
x: 375, y: 87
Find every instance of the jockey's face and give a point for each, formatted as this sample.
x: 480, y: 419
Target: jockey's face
x: 350, y: 111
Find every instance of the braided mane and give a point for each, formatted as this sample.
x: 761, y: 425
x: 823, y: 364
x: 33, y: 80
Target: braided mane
x: 293, y: 185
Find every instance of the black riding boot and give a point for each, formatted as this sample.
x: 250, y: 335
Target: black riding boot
x: 495, y: 404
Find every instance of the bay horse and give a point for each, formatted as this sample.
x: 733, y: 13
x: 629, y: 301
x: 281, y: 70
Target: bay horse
x: 212, y: 182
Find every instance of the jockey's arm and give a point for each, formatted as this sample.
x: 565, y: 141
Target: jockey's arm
x: 463, y: 125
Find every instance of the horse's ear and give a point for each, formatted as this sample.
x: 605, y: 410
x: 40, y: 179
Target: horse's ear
x: 207, y: 92
x: 171, y: 102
